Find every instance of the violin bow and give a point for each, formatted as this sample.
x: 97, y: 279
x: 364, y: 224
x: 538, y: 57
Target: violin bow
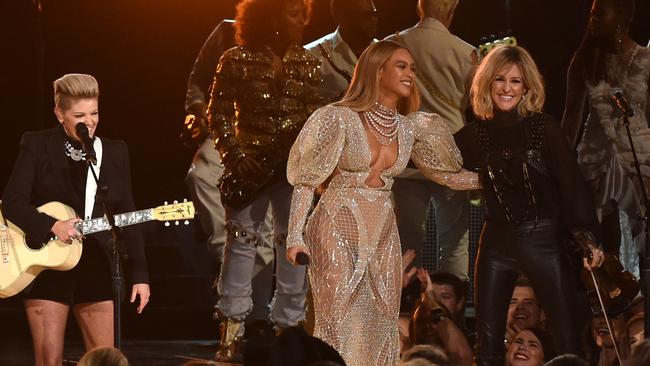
x: 609, y: 326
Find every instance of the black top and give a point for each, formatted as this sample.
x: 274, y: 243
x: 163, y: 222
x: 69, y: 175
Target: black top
x: 558, y: 188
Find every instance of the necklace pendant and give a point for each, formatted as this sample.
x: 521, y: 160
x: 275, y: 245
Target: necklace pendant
x: 76, y: 155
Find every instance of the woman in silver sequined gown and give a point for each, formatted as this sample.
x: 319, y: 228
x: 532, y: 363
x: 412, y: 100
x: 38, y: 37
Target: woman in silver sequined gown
x: 351, y: 235
x: 608, y: 61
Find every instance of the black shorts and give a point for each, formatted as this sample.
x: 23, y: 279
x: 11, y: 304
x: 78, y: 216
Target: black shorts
x: 89, y: 281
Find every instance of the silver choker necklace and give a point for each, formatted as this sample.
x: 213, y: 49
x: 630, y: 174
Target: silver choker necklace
x: 383, y: 123
x: 74, y: 153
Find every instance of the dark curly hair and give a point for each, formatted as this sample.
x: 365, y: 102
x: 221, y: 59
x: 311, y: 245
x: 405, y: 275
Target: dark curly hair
x: 256, y: 19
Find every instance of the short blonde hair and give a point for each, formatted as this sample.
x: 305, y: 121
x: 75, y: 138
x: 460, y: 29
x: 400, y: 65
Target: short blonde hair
x: 74, y: 86
x: 363, y: 91
x: 436, y: 8
x: 104, y: 356
x: 496, y: 60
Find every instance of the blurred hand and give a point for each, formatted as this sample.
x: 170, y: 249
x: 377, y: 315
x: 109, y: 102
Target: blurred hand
x: 407, y: 259
x: 200, y: 112
x: 66, y: 231
x: 425, y: 279
x: 246, y: 165
x: 142, y: 290
x: 593, y: 255
x: 512, y: 330
x: 293, y: 252
x: 596, y: 259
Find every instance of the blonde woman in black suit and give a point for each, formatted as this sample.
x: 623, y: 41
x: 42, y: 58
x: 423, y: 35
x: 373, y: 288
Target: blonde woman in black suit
x: 51, y: 167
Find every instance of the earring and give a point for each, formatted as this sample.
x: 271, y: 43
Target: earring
x: 619, y: 37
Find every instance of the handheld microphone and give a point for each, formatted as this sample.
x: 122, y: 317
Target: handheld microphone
x: 622, y: 103
x: 302, y: 259
x: 86, y: 141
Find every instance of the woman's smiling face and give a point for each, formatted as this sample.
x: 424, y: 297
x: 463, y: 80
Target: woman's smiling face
x: 507, y: 88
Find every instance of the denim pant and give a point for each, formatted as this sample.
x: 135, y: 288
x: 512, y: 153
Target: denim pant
x: 202, y: 178
x: 412, y: 198
x: 244, y: 227
x: 537, y: 250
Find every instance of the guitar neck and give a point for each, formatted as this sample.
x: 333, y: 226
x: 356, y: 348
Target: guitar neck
x: 121, y: 220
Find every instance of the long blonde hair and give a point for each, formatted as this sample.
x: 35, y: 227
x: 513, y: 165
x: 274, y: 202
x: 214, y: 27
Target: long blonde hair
x: 363, y: 91
x: 495, y: 61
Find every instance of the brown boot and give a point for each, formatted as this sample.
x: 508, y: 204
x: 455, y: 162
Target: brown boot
x: 229, y: 341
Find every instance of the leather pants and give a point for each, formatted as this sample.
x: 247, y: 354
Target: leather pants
x: 538, y: 251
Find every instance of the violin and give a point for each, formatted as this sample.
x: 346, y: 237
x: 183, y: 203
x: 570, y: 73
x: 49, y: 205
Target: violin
x: 609, y: 286
x: 617, y: 287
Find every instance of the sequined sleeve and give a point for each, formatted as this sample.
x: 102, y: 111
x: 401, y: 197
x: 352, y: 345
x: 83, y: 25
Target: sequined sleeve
x: 436, y: 155
x: 222, y: 105
x: 312, y: 160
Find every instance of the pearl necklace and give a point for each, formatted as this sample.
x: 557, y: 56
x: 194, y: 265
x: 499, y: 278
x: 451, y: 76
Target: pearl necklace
x: 74, y: 153
x: 383, y: 123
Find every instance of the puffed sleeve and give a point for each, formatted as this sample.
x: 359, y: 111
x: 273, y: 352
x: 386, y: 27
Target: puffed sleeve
x: 312, y: 160
x: 436, y: 155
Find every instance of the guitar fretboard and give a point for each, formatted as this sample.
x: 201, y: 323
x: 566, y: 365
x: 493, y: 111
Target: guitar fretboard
x: 125, y: 219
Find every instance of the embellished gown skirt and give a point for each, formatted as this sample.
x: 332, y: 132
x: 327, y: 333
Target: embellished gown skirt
x: 355, y: 274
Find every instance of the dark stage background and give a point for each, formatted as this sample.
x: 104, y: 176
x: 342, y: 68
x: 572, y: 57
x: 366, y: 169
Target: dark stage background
x: 141, y: 51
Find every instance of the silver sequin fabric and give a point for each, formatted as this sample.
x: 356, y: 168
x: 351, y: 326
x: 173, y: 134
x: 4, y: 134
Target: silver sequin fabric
x: 351, y: 234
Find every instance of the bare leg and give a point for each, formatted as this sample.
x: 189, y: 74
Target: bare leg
x: 96, y: 323
x: 47, y: 320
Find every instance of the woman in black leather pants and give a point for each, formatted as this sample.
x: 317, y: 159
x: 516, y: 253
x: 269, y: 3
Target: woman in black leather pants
x: 535, y: 199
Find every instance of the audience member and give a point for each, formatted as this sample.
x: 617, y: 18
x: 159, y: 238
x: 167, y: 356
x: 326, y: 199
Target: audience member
x: 432, y: 324
x: 530, y: 347
x: 568, y: 359
x: 640, y: 356
x: 294, y: 347
x: 426, y: 352
x: 524, y: 311
x: 418, y: 362
x: 605, y: 353
x: 634, y: 331
x: 104, y: 356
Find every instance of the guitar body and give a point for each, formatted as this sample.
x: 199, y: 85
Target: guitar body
x: 19, y: 264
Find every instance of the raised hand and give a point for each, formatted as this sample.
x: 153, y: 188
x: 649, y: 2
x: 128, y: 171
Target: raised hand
x: 407, y: 259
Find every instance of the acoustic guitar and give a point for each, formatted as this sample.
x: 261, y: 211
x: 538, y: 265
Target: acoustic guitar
x: 19, y: 264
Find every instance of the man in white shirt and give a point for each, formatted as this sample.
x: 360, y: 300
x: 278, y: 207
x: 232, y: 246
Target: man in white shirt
x: 339, y: 51
x: 445, y: 65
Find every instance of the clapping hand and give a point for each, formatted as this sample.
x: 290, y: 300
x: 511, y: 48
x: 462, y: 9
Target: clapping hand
x: 407, y: 260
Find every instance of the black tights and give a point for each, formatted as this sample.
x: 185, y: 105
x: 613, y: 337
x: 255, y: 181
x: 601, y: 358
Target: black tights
x: 538, y: 252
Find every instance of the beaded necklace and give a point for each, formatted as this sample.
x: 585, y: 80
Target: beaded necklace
x: 74, y: 153
x: 383, y: 123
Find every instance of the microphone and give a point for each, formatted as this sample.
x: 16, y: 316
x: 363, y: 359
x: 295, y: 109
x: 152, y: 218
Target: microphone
x: 87, y: 142
x: 622, y: 103
x: 302, y: 259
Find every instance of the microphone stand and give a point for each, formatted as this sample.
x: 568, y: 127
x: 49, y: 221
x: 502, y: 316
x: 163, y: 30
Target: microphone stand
x: 644, y: 259
x: 114, y: 259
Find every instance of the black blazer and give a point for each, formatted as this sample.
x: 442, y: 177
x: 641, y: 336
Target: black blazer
x: 41, y: 174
